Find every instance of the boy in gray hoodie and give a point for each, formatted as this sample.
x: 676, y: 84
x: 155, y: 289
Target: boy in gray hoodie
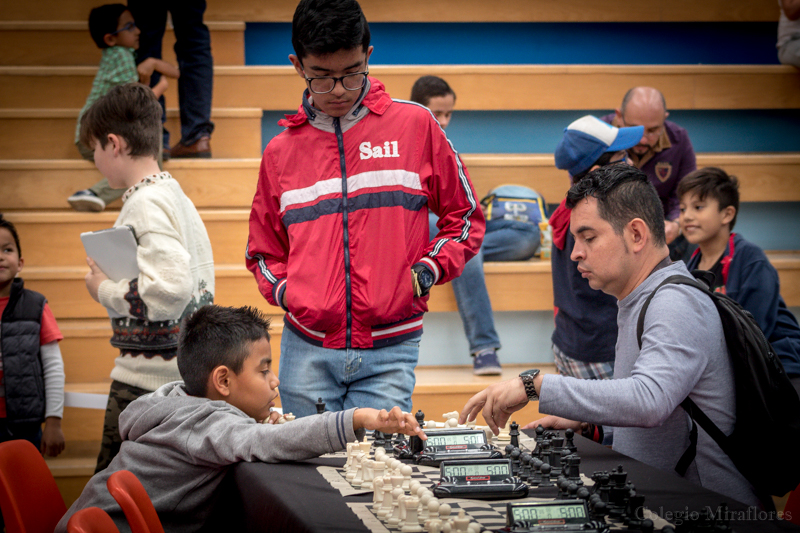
x: 180, y: 440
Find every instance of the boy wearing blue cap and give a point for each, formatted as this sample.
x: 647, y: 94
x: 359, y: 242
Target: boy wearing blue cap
x: 585, y: 319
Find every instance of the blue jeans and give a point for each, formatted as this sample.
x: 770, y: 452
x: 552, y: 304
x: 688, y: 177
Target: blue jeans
x: 472, y: 299
x: 510, y: 240
x: 193, y: 50
x: 380, y: 377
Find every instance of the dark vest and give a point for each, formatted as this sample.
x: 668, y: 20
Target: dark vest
x: 22, y: 363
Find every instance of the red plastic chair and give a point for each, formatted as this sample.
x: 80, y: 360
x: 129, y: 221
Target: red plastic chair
x: 29, y: 496
x: 91, y: 520
x: 791, y: 511
x: 131, y: 496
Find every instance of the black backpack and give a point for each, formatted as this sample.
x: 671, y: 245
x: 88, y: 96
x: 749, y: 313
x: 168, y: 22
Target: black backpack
x: 766, y: 401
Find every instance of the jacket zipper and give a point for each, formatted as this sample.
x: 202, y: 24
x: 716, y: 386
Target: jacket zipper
x: 340, y: 140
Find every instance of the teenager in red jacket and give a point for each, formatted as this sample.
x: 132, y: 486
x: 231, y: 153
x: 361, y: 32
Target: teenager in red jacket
x: 338, y: 228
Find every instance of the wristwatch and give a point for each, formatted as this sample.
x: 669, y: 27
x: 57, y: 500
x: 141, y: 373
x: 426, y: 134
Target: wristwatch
x: 423, y: 280
x: 527, y: 380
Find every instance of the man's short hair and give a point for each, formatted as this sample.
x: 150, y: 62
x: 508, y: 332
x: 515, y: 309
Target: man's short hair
x: 623, y: 192
x: 215, y: 336
x: 628, y: 95
x: 7, y: 224
x: 104, y: 20
x: 130, y: 111
x: 713, y: 182
x: 321, y: 27
x: 428, y: 87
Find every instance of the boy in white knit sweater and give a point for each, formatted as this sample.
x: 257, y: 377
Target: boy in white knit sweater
x: 176, y: 267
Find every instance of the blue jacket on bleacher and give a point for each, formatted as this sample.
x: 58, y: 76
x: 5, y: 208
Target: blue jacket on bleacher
x: 751, y: 280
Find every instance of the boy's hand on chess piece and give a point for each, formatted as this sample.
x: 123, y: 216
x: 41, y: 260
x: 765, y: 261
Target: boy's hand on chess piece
x: 394, y: 421
x: 94, y: 278
x: 555, y: 422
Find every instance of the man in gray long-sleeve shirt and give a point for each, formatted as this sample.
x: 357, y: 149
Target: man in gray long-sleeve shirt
x: 620, y: 248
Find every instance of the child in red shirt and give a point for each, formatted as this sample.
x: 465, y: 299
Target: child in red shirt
x: 31, y: 368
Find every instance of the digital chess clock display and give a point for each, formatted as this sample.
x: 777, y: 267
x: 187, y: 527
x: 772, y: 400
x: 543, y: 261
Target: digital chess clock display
x: 477, y: 471
x: 452, y: 441
x: 548, y: 513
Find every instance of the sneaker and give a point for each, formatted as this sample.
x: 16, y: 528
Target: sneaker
x: 86, y: 200
x: 486, y: 363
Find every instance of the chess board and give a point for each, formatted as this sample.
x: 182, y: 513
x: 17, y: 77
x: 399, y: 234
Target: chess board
x: 490, y: 515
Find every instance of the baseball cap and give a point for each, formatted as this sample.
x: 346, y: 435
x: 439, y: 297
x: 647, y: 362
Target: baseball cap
x: 586, y: 139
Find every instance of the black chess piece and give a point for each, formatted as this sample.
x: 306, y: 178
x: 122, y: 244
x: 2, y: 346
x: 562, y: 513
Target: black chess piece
x: 539, y: 434
x: 515, y: 462
x: 536, y: 473
x: 416, y: 444
x: 514, y: 433
x: 525, y: 466
x: 569, y: 442
x: 320, y: 406
x: 545, y: 470
x: 572, y: 468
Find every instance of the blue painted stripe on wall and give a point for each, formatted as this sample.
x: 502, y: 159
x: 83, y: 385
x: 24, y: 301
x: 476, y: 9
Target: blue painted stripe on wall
x: 514, y: 132
x: 543, y: 43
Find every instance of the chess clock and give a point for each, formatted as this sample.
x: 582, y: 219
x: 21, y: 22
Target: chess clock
x: 479, y: 479
x: 448, y: 444
x: 557, y: 515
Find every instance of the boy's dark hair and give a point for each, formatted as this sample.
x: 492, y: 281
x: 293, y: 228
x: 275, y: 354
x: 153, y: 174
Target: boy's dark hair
x: 713, y: 182
x: 130, y: 111
x: 10, y: 227
x: 214, y: 336
x: 323, y: 27
x: 428, y: 87
x: 623, y: 192
x: 602, y: 161
x: 104, y: 20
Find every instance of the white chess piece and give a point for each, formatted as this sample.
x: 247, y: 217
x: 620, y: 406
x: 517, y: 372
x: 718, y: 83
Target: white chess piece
x: 378, y: 469
x: 450, y: 415
x: 462, y: 521
x: 430, y: 424
x: 397, y: 495
x: 368, y: 475
x: 348, y: 464
x: 424, y: 513
x: 386, y: 505
x: 406, y: 470
x: 414, y: 486
x: 474, y: 527
x: 289, y: 417
x: 377, y: 494
x: 358, y: 477
x: 433, y: 526
x: 411, y: 523
x: 505, y: 433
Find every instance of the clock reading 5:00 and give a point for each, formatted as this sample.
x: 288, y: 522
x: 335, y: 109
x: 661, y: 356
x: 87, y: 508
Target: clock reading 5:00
x: 476, y: 470
x: 455, y: 440
x: 549, y: 512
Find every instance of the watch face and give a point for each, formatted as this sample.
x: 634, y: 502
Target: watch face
x: 426, y: 279
x: 534, y: 372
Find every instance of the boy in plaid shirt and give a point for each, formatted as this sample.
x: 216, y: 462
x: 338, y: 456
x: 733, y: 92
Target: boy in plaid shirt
x: 114, y: 31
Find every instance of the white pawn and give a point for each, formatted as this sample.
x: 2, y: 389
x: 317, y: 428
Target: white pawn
x: 406, y: 470
x: 414, y: 486
x: 380, y: 453
x: 451, y: 423
x: 377, y: 494
x: 397, y: 495
x: 353, y: 466
x: 444, y: 516
x: 424, y: 513
x: 474, y: 527
x: 289, y: 417
x: 430, y: 424
x: 433, y: 526
x: 349, y: 454
x: 378, y: 469
x: 411, y: 524
x: 433, y: 508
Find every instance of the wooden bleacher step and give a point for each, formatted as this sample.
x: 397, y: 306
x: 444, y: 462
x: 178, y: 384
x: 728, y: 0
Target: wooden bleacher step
x: 31, y: 43
x: 548, y: 87
x: 230, y: 183
x: 50, y: 133
x: 512, y: 286
x: 448, y: 11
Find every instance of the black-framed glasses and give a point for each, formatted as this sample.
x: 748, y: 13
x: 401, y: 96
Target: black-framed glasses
x: 127, y: 27
x: 325, y: 84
